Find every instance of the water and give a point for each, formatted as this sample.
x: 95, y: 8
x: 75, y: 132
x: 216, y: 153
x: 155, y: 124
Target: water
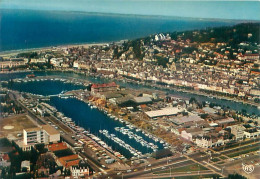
x: 47, y: 87
x: 238, y: 106
x: 95, y: 120
x: 23, y: 29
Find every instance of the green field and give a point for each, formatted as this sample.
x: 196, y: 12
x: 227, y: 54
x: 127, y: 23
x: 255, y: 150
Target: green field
x: 198, y: 177
x: 215, y: 160
x: 223, y: 157
x: 192, y: 167
x: 243, y: 152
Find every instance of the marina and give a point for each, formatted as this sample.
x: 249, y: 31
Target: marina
x: 238, y: 106
x: 104, y: 127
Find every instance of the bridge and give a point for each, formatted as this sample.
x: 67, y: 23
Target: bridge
x: 60, y: 95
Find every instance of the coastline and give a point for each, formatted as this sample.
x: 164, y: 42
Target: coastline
x: 15, y: 52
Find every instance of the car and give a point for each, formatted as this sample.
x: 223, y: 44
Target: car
x: 103, y: 166
x: 163, y: 168
x: 135, y: 170
x: 128, y: 171
x: 149, y: 165
x: 119, y: 173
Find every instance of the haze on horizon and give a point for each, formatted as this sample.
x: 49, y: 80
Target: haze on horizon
x: 241, y: 10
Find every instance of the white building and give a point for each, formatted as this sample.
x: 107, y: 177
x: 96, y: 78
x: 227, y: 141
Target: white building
x: 32, y: 136
x: 81, y: 170
x: 208, y: 142
x: 26, y: 164
x: 237, y: 131
x: 251, y: 133
x: 43, y: 134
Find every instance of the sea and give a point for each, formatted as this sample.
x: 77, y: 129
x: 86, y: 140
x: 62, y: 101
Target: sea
x: 28, y: 29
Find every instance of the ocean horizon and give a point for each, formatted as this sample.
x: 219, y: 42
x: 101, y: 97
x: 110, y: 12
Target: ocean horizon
x: 30, y: 29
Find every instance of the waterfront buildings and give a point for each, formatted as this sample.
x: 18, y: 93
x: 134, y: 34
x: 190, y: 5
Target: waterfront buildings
x: 106, y: 87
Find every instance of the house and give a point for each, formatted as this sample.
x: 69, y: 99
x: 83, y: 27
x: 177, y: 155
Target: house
x: 81, y: 170
x: 25, y: 164
x: 190, y: 133
x: 208, y: 141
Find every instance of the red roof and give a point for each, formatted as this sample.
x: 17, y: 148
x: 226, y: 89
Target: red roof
x: 251, y: 54
x: 72, y: 163
x: 104, y: 85
x: 58, y: 146
x: 70, y: 160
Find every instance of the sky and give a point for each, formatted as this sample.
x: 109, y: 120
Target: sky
x: 245, y: 10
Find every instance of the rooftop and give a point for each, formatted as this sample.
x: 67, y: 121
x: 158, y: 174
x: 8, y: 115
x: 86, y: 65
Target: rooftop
x: 185, y: 119
x: 58, y: 146
x: 33, y: 129
x: 142, y: 99
x: 104, y: 85
x: 164, y: 112
x: 50, y: 130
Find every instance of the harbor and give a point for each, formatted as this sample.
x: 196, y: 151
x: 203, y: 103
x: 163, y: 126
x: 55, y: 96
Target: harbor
x: 235, y: 105
x: 104, y: 127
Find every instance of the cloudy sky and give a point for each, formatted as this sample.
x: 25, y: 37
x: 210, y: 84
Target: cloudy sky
x: 202, y: 9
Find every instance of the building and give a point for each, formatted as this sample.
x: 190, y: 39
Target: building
x: 171, y: 111
x: 190, y: 133
x: 12, y: 63
x: 32, y: 136
x: 50, y: 134
x: 186, y: 119
x: 106, y: 87
x: 57, y: 146
x: 237, y: 131
x: 68, y: 161
x: 142, y: 100
x: 252, y: 133
x: 208, y: 141
x: 43, y: 134
x: 81, y: 170
x: 26, y: 164
x: 253, y: 57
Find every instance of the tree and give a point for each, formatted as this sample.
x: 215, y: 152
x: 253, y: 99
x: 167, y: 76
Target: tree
x: 192, y: 100
x: 236, y: 176
x: 162, y: 61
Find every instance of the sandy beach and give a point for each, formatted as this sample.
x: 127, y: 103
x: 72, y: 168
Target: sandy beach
x: 14, y: 52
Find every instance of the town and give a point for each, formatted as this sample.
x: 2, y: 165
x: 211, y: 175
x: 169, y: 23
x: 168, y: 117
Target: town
x: 178, y: 134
